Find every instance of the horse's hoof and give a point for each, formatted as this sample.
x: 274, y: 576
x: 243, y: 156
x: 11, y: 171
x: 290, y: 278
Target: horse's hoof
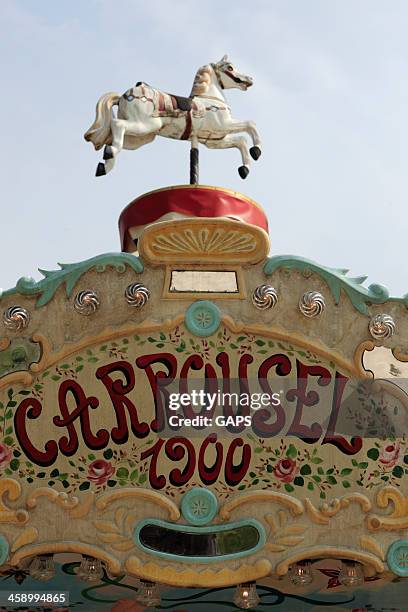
x: 243, y: 171
x: 255, y: 152
x: 100, y: 169
x: 108, y: 153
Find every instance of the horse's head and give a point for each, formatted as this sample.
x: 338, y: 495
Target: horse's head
x: 228, y: 76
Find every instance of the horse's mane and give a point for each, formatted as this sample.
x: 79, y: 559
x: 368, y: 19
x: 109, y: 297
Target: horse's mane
x: 202, y: 80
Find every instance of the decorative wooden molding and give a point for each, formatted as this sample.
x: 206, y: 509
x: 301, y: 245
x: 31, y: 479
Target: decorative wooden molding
x: 59, y: 498
x: 84, y: 507
x: 4, y: 343
x: 28, y: 536
x: 396, y: 520
x: 283, y: 535
x: 322, y: 515
x: 203, y: 240
x: 294, y: 505
x: 140, y: 494
x: 77, y: 508
x: 11, y: 488
x: 118, y: 533
x: 26, y: 377
x: 372, y: 564
x: 49, y: 357
x: 401, y: 353
x: 207, y: 577
x: 368, y: 543
x: 113, y: 565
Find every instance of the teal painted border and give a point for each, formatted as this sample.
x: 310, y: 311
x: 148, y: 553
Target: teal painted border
x: 337, y: 280
x: 213, y: 311
x: 392, y: 558
x: 199, y: 494
x: 209, y: 529
x: 4, y: 549
x: 70, y: 275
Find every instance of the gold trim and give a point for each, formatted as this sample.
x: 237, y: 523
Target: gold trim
x: 118, y: 532
x: 366, y: 345
x: 28, y: 536
x: 84, y: 507
x: 49, y: 358
x: 203, y: 240
x: 4, y: 343
x: 140, y: 494
x: 399, y: 354
x: 113, y: 564
x: 394, y: 521
x: 373, y: 565
x: 298, y: 340
x: 191, y: 578
x: 372, y: 545
x: 322, y: 515
x: 60, y: 499
x: 294, y: 505
x: 26, y: 377
x: 11, y: 488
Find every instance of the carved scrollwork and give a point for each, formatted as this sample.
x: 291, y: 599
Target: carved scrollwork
x: 323, y: 514
x: 208, y: 577
x: 295, y: 506
x: 394, y: 521
x: 118, y: 533
x: 12, y: 489
x: 28, y: 536
x: 282, y: 534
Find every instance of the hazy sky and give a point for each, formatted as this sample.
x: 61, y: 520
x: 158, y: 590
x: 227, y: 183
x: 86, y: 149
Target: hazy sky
x: 330, y: 99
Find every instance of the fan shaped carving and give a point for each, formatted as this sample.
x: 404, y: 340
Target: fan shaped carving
x: 203, y: 239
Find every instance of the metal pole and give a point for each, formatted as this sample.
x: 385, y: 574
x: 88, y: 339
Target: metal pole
x: 194, y: 165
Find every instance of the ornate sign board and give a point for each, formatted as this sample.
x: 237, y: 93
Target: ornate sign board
x: 92, y: 356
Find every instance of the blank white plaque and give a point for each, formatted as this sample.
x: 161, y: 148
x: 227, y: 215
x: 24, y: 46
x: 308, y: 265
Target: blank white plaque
x: 203, y: 281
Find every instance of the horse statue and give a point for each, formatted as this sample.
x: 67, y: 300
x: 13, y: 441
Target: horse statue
x: 204, y: 117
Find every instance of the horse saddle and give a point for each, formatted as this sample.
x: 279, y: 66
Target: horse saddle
x: 182, y: 103
x: 170, y: 105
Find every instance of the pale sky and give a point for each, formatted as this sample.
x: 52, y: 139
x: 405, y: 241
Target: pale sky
x: 330, y: 100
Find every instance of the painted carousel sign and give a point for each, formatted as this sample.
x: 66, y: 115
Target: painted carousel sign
x: 191, y: 411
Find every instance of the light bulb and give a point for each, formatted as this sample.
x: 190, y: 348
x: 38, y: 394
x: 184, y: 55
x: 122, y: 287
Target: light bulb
x: 148, y: 594
x: 301, y: 573
x: 351, y: 574
x: 42, y: 568
x: 245, y: 596
x: 90, y: 570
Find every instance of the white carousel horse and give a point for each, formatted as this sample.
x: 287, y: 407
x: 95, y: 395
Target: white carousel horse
x: 204, y: 117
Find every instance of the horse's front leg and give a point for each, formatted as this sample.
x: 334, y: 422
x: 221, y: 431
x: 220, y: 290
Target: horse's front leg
x: 229, y: 142
x: 249, y: 127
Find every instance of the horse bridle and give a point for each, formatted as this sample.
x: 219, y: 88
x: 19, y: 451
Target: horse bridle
x: 228, y: 73
x: 218, y: 75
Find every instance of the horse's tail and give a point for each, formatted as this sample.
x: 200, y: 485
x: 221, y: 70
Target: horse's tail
x: 100, y: 131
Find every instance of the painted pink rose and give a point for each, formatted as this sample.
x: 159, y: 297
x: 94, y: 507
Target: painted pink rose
x: 99, y: 471
x: 286, y: 470
x: 5, y: 455
x: 390, y: 454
